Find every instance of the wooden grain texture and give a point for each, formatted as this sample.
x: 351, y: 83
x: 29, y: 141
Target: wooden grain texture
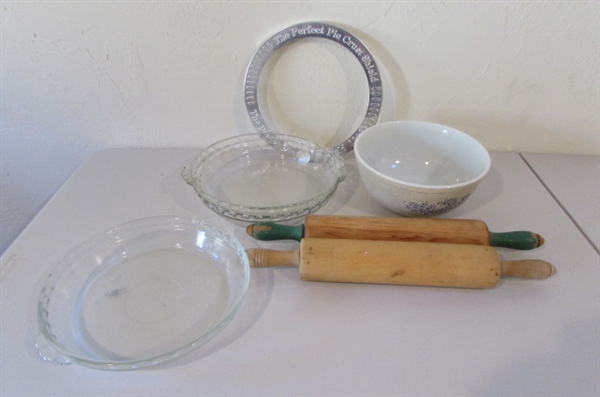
x: 397, y: 262
x: 400, y: 229
x: 531, y: 268
x: 258, y: 257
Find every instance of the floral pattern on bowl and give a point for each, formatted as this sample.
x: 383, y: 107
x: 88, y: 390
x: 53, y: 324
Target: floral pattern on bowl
x: 428, y: 209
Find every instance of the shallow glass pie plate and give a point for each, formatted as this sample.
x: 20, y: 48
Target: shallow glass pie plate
x: 141, y: 293
x: 249, y: 179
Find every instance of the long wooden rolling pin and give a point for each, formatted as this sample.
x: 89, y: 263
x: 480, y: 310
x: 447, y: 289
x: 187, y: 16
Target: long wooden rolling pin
x: 459, y: 231
x: 398, y: 262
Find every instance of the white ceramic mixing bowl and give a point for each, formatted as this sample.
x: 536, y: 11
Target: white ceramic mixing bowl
x: 417, y: 168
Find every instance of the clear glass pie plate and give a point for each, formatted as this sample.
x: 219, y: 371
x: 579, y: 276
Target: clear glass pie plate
x: 248, y: 178
x: 141, y: 293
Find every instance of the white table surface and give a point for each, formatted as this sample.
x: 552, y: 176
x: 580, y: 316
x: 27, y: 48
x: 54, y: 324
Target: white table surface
x: 575, y: 183
x: 294, y: 337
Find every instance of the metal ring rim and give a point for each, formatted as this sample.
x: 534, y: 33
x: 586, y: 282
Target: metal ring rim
x: 320, y: 30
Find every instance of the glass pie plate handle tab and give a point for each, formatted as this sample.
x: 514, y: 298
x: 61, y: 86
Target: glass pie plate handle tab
x: 141, y: 293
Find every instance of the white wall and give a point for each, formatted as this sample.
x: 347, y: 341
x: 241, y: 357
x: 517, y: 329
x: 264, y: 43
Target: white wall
x: 81, y: 76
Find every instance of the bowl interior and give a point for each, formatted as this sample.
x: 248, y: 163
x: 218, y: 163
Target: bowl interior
x: 424, y: 154
x: 142, y: 293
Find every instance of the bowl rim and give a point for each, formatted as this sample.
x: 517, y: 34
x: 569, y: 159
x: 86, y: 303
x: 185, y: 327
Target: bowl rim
x: 423, y: 188
x: 258, y: 213
x: 46, y: 341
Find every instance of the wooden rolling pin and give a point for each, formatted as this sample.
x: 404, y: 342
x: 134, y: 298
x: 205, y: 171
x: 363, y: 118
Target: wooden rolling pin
x: 399, y: 262
x: 457, y: 231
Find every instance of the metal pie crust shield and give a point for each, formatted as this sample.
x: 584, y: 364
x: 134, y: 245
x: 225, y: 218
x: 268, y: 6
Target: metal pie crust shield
x: 306, y: 30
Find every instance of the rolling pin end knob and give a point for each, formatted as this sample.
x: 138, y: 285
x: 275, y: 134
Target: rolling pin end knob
x: 259, y: 257
x: 540, y: 240
x: 254, y: 256
x: 532, y: 269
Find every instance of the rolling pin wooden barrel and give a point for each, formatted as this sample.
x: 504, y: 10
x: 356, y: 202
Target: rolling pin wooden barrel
x: 458, y: 231
x: 399, y: 262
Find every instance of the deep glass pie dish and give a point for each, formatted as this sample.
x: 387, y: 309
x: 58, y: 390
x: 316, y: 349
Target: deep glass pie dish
x: 141, y: 293
x: 248, y: 178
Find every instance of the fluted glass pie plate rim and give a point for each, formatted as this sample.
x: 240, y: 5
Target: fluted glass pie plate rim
x: 297, y: 151
x: 185, y: 258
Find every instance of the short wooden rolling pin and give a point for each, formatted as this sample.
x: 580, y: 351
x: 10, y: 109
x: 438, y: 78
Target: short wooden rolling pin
x: 398, y: 262
x: 459, y: 231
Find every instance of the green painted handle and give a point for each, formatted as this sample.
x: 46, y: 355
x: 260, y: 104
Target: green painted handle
x: 520, y: 240
x: 268, y: 231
